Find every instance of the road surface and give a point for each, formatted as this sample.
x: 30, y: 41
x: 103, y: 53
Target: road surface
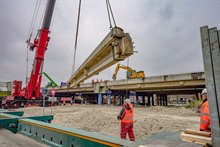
x: 8, y: 139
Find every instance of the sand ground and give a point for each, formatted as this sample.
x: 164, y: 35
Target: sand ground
x: 94, y: 118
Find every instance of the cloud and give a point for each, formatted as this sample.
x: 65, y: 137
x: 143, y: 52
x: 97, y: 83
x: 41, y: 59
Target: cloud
x: 165, y: 34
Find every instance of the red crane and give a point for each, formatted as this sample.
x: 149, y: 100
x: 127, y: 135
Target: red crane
x: 31, y: 93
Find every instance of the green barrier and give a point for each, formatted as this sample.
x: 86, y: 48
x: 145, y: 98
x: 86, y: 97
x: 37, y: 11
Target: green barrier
x: 17, y: 113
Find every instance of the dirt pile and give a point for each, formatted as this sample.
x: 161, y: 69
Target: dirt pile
x: 148, y: 120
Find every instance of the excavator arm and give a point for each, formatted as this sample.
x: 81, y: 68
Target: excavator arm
x: 130, y: 72
x: 117, y: 69
x: 52, y: 83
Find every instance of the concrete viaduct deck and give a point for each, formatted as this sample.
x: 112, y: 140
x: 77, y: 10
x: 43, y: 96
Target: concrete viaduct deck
x: 175, y: 83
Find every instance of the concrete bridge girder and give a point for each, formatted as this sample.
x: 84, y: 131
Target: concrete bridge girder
x: 115, y: 47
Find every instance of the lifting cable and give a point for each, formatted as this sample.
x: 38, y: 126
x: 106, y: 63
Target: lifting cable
x: 109, y: 10
x: 109, y: 18
x: 33, y: 21
x: 76, y: 37
x: 42, y: 17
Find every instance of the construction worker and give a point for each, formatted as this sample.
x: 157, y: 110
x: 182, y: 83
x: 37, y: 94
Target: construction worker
x: 126, y: 116
x: 204, y: 113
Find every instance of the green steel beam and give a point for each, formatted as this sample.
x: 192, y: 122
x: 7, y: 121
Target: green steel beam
x: 17, y: 113
x: 9, y: 120
x: 4, y: 115
x: 9, y: 124
x: 57, y: 136
x: 13, y: 115
x: 46, y: 118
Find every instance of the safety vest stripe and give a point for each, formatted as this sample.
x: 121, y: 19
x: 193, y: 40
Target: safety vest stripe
x: 204, y: 121
x: 128, y: 118
x: 205, y: 114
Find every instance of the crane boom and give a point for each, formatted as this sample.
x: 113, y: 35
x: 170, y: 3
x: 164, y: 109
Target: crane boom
x: 40, y: 43
x: 32, y: 90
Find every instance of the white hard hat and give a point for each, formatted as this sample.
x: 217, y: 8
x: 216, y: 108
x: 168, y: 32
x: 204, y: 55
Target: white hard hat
x: 127, y: 101
x: 204, y: 91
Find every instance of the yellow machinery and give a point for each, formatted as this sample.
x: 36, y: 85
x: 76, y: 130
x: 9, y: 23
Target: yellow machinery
x: 5, y: 88
x: 131, y: 74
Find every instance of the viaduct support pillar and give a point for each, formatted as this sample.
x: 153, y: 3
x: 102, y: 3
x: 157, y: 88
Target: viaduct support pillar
x: 100, y: 99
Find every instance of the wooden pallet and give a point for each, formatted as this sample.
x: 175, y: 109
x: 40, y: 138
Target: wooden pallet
x: 195, y: 136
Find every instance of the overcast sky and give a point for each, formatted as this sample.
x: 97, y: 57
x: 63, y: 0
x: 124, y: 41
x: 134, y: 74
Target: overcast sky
x: 165, y: 34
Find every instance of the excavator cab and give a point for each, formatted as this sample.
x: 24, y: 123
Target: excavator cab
x: 129, y: 74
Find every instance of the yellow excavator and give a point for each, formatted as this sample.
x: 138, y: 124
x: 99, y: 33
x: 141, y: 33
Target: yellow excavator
x: 131, y: 74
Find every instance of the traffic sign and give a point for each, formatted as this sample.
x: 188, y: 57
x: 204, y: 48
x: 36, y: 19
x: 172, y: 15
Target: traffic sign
x: 53, y: 92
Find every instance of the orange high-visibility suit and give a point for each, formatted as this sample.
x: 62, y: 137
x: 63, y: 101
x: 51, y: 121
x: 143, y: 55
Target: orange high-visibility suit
x: 204, y: 117
x: 126, y: 117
